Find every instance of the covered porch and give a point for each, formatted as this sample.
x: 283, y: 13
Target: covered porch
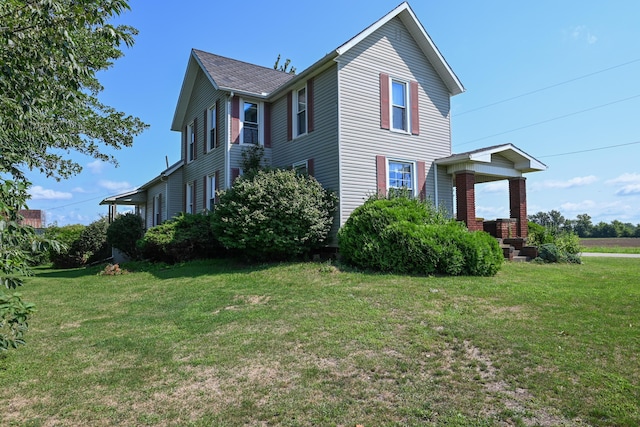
x: 497, y: 163
x: 136, y: 198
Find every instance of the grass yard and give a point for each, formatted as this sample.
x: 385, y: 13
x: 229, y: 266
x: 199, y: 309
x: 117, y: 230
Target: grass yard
x: 217, y: 344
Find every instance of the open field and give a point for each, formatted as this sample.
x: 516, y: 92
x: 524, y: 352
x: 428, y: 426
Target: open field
x: 628, y: 245
x: 217, y: 344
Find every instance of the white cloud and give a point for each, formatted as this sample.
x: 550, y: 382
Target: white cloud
x: 39, y: 193
x: 629, y: 190
x: 96, y: 167
x: 79, y: 190
x: 115, y: 186
x: 494, y: 187
x: 631, y: 184
x: 578, y: 207
x: 582, y: 33
x: 579, y: 181
x: 625, y: 178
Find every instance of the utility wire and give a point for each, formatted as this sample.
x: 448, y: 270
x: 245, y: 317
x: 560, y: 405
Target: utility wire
x: 545, y: 88
x: 590, y: 149
x: 549, y: 120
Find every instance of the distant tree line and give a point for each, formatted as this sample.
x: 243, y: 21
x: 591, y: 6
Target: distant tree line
x: 583, y: 226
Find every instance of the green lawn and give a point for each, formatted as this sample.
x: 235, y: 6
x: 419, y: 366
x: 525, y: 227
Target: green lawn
x: 218, y: 344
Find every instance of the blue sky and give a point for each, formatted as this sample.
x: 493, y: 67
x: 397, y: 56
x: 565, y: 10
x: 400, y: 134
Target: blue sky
x: 551, y: 77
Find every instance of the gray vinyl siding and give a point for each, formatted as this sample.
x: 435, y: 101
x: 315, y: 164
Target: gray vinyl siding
x: 174, y: 198
x: 390, y: 50
x: 202, y: 98
x: 321, y: 144
x: 152, y: 192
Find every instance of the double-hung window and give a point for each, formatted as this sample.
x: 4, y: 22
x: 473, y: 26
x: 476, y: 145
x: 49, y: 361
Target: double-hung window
x: 401, y: 176
x: 301, y: 168
x: 191, y: 143
x: 213, y: 126
x: 189, y: 198
x: 157, y: 213
x: 211, y: 191
x: 250, y: 134
x: 301, y: 111
x: 399, y: 105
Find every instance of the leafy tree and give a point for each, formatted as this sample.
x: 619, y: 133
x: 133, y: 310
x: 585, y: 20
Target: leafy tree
x: 583, y: 225
x: 50, y: 54
x: 284, y: 67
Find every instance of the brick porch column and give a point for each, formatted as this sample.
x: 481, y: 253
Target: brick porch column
x: 518, y: 205
x: 466, y: 199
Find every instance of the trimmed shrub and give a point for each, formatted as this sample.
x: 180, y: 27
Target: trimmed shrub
x: 185, y: 237
x: 406, y: 236
x: 274, y: 215
x: 124, y: 232
x: 360, y: 237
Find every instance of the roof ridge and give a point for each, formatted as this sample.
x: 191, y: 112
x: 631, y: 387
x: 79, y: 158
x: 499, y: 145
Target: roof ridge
x: 239, y: 60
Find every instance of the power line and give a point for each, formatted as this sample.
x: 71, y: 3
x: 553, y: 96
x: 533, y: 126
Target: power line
x: 545, y: 88
x: 550, y: 120
x: 591, y: 149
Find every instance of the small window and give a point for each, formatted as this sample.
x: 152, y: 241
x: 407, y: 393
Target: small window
x: 189, y: 200
x: 250, y: 124
x: 401, y: 176
x: 157, y: 214
x: 301, y: 168
x: 213, y: 125
x: 399, y: 105
x: 211, y: 191
x: 301, y: 111
x: 191, y: 143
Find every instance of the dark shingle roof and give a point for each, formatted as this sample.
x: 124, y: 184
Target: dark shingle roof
x: 232, y: 74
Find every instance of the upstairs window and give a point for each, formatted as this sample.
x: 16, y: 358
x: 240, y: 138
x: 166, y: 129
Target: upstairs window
x: 399, y: 105
x: 250, y: 124
x: 191, y: 143
x: 213, y: 127
x: 301, y: 111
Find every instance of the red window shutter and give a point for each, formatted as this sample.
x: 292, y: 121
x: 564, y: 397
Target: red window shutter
x: 235, y: 173
x: 422, y: 181
x: 381, y: 175
x: 205, y: 196
x: 205, y: 143
x: 310, y: 123
x: 235, y: 120
x: 267, y: 125
x: 195, y: 138
x: 415, y: 111
x: 384, y: 101
x: 289, y: 118
x: 311, y: 167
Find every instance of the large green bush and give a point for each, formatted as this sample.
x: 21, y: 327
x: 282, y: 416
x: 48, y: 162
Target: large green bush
x: 554, y: 246
x: 124, y: 232
x: 407, y: 236
x: 185, y: 237
x: 80, y: 244
x: 274, y: 215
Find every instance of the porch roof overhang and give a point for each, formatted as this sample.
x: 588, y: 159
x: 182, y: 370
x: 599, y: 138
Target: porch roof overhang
x: 131, y: 198
x: 492, y: 163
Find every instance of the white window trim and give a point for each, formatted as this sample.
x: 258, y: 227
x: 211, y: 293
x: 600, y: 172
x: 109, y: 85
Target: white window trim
x: 294, y: 111
x: 414, y: 181
x: 211, y: 190
x: 304, y: 163
x: 212, y: 117
x: 260, y: 122
x: 191, y: 139
x: 407, y: 107
x: 189, y: 208
x: 157, y: 210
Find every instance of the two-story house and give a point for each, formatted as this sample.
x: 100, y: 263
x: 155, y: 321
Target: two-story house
x: 372, y: 115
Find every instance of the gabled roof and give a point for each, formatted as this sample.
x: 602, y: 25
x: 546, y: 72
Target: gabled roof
x: 262, y: 82
x: 487, y: 165
x: 139, y: 195
x: 417, y: 31
x: 228, y: 75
